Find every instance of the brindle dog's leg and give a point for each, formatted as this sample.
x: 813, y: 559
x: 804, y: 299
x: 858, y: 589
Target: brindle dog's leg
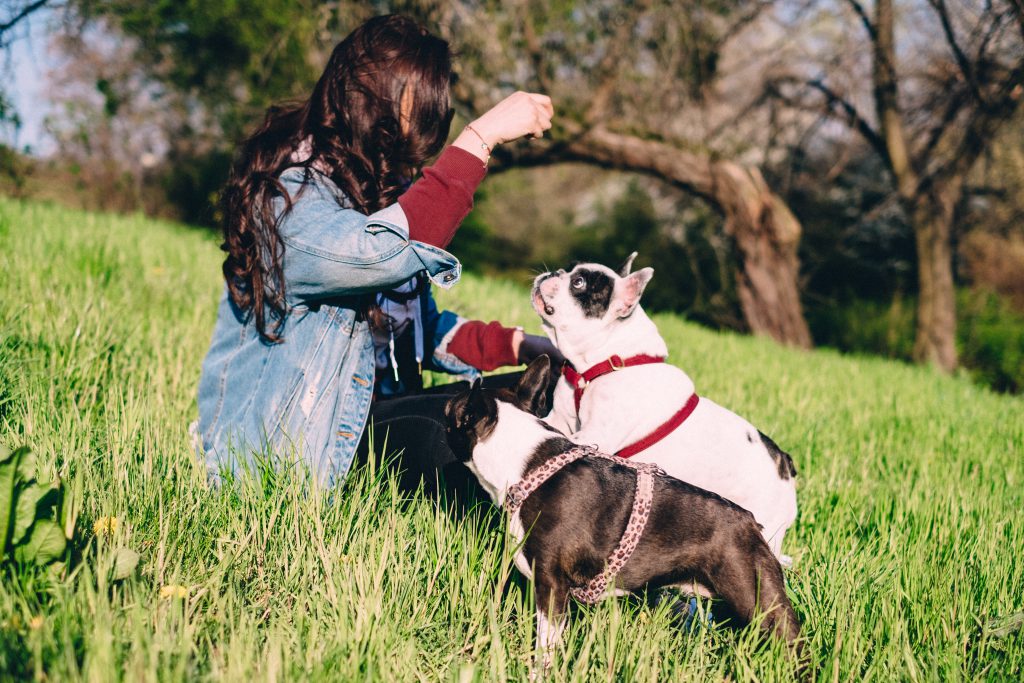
x: 551, y: 590
x: 751, y: 580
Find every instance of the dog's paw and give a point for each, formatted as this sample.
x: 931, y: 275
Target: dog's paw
x: 541, y: 666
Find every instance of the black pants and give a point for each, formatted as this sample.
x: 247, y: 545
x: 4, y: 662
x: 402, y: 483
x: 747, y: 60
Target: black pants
x: 408, y: 434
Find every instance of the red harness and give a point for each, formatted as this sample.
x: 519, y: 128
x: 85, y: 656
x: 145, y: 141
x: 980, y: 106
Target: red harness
x: 580, y: 380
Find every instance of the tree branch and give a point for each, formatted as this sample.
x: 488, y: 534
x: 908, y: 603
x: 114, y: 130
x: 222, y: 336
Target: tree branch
x: 986, y: 120
x: 836, y: 107
x: 19, y: 16
x: 688, y: 171
x: 962, y: 62
x: 864, y: 19
x: 953, y: 108
x: 745, y: 19
x: 890, y: 118
x: 853, y: 116
x: 608, y: 67
x: 1018, y: 13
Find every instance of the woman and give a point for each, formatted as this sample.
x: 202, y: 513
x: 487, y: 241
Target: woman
x: 319, y: 217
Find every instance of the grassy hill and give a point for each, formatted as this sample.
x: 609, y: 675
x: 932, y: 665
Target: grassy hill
x: 906, y: 547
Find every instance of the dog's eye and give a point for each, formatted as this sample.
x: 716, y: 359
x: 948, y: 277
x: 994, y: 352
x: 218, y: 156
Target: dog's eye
x: 578, y: 282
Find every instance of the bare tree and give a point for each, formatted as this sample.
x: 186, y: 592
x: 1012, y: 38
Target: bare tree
x: 929, y: 121
x: 636, y: 90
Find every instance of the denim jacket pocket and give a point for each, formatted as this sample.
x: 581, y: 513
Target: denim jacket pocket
x: 305, y: 390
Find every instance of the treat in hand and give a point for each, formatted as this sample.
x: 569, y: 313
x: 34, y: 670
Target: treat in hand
x: 518, y: 115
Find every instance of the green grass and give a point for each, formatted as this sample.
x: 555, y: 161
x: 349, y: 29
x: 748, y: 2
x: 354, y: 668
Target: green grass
x: 906, y: 546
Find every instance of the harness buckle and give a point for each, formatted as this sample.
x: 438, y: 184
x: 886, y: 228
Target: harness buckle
x: 512, y: 500
x: 616, y: 357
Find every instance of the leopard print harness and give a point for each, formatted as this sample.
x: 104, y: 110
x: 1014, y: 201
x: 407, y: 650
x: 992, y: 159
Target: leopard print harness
x: 597, y: 587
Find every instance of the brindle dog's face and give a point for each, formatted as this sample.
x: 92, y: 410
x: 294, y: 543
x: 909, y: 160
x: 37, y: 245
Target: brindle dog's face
x: 473, y: 414
x: 589, y: 297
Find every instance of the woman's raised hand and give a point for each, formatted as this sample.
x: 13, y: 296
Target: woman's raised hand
x: 520, y: 114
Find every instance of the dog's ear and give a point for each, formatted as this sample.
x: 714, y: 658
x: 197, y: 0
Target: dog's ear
x: 471, y: 418
x: 465, y: 410
x: 476, y: 404
x: 629, y: 290
x: 532, y: 388
x: 627, y: 266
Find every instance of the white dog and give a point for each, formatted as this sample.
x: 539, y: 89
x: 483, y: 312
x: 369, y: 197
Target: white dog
x: 624, y: 399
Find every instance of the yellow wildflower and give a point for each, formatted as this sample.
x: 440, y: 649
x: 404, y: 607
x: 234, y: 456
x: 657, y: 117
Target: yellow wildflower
x: 105, y: 526
x: 173, y: 591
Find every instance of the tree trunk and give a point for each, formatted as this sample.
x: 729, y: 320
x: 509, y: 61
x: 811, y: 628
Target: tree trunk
x: 935, y: 334
x: 765, y: 231
x: 767, y: 236
x: 927, y: 206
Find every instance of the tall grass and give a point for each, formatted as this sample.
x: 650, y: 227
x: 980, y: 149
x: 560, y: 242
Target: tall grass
x: 906, y: 548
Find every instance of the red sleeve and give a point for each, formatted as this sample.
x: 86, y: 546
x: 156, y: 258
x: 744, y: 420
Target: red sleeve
x: 485, y: 346
x: 436, y: 203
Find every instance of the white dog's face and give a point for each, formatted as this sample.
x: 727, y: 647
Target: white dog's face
x: 589, y: 298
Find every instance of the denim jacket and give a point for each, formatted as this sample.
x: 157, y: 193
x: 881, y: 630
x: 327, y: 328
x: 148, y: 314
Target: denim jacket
x: 311, y: 392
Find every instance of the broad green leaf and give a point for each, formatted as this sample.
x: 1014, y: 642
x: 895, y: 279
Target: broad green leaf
x: 28, y: 467
x: 25, y: 508
x: 6, y: 453
x: 46, y: 507
x: 45, y: 543
x: 123, y: 563
x: 8, y: 468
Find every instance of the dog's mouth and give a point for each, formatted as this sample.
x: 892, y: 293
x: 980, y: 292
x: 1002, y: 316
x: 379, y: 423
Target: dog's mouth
x: 541, y: 306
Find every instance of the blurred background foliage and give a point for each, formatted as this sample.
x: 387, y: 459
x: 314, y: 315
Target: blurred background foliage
x: 148, y: 100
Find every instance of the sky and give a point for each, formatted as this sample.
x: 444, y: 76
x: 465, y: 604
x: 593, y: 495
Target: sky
x: 29, y: 62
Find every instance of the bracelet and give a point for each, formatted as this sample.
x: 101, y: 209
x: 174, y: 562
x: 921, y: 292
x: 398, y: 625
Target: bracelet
x: 483, y: 143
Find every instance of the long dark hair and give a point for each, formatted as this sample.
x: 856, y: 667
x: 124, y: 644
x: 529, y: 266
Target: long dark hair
x: 353, y: 125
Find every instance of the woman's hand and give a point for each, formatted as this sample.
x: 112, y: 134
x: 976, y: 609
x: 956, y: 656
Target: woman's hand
x: 526, y: 347
x: 520, y: 114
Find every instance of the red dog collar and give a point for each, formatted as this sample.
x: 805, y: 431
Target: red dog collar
x: 579, y: 382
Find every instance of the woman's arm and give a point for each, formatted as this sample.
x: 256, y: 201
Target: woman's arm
x: 437, y: 203
x: 486, y: 346
x: 332, y: 251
